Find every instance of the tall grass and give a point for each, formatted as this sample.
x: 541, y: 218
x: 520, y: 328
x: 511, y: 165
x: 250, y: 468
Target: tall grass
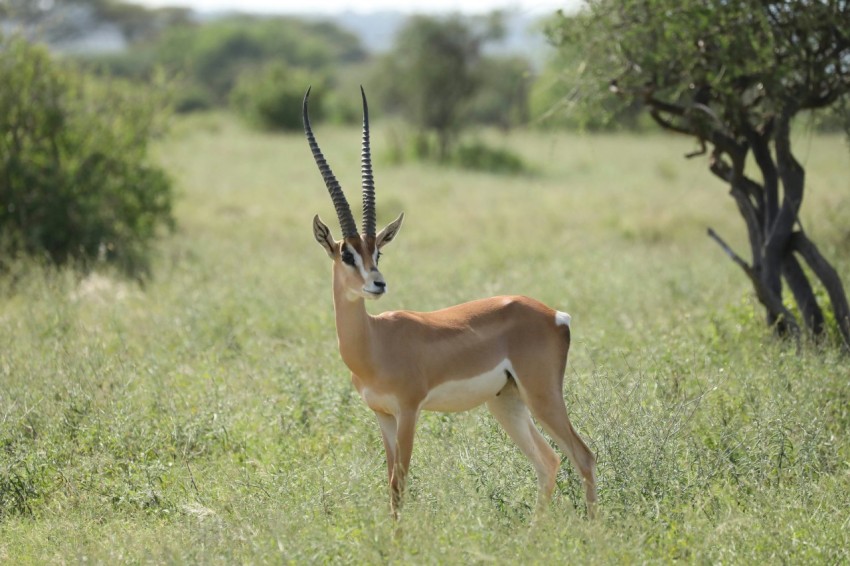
x: 208, y: 418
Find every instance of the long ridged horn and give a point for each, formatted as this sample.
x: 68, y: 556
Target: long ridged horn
x: 343, y: 211
x: 366, y: 173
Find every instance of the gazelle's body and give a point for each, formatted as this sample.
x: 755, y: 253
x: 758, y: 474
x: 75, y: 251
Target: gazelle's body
x: 508, y: 352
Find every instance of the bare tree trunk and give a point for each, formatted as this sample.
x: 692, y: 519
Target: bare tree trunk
x: 770, y: 211
x: 772, y: 234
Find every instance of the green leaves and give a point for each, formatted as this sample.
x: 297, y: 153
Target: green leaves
x: 751, y: 57
x: 215, y: 54
x: 432, y: 74
x: 270, y: 97
x: 76, y: 181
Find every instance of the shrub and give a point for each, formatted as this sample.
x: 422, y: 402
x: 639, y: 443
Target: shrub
x: 191, y: 97
x: 270, y: 97
x: 481, y: 157
x: 473, y: 155
x: 77, y: 184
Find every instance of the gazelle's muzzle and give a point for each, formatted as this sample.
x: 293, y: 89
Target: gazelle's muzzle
x: 375, y: 287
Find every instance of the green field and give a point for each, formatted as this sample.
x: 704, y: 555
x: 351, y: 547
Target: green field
x: 207, y: 417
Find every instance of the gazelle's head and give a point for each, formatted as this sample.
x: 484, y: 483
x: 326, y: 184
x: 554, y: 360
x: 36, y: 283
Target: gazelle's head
x: 356, y: 255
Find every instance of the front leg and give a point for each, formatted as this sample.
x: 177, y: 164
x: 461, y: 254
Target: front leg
x: 406, y: 427
x: 389, y: 433
x: 397, y: 434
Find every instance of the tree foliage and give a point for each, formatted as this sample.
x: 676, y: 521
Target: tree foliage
x: 555, y: 99
x: 433, y: 72
x: 214, y: 54
x: 733, y: 75
x: 270, y: 97
x: 75, y: 179
x: 207, y: 58
x: 502, y: 99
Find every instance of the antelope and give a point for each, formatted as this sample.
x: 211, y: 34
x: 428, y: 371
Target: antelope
x: 507, y: 352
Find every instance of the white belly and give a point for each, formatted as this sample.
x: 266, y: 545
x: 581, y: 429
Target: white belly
x: 465, y: 393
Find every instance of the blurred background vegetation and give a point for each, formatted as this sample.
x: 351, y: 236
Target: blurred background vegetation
x: 441, y: 73
x: 215, y: 61
x: 91, y: 82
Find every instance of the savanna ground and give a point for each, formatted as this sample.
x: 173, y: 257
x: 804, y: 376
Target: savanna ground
x: 207, y: 417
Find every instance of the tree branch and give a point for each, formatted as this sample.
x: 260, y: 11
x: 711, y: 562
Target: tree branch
x: 668, y: 125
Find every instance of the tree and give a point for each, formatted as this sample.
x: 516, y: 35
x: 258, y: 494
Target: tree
x: 432, y: 73
x: 733, y: 75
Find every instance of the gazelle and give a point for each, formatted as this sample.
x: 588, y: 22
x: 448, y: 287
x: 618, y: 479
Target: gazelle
x: 508, y: 352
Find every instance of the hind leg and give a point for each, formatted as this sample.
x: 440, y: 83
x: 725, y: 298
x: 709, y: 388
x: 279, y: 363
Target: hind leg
x: 511, y: 412
x: 551, y: 412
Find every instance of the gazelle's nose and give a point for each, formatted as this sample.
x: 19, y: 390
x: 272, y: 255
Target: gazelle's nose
x: 380, y: 285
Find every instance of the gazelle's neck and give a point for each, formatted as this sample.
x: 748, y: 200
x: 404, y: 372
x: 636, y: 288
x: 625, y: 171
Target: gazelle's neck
x: 353, y: 330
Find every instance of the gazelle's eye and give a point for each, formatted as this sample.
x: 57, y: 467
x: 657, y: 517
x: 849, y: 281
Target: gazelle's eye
x: 347, y: 257
x: 378, y: 258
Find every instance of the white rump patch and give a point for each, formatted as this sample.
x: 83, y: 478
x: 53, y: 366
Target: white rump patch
x: 562, y: 319
x: 468, y: 392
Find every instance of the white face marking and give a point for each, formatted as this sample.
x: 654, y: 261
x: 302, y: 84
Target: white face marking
x: 370, y: 290
x: 464, y: 394
x: 562, y: 319
x: 358, y: 262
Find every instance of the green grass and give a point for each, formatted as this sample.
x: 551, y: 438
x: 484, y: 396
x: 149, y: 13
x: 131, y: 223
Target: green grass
x: 207, y: 417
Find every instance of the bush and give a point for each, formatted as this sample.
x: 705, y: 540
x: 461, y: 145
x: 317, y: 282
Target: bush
x: 191, y: 97
x: 270, y: 97
x: 77, y: 182
x: 479, y: 156
x: 473, y: 155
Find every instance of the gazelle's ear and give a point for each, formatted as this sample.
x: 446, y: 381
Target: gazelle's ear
x: 323, y: 235
x: 387, y: 234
